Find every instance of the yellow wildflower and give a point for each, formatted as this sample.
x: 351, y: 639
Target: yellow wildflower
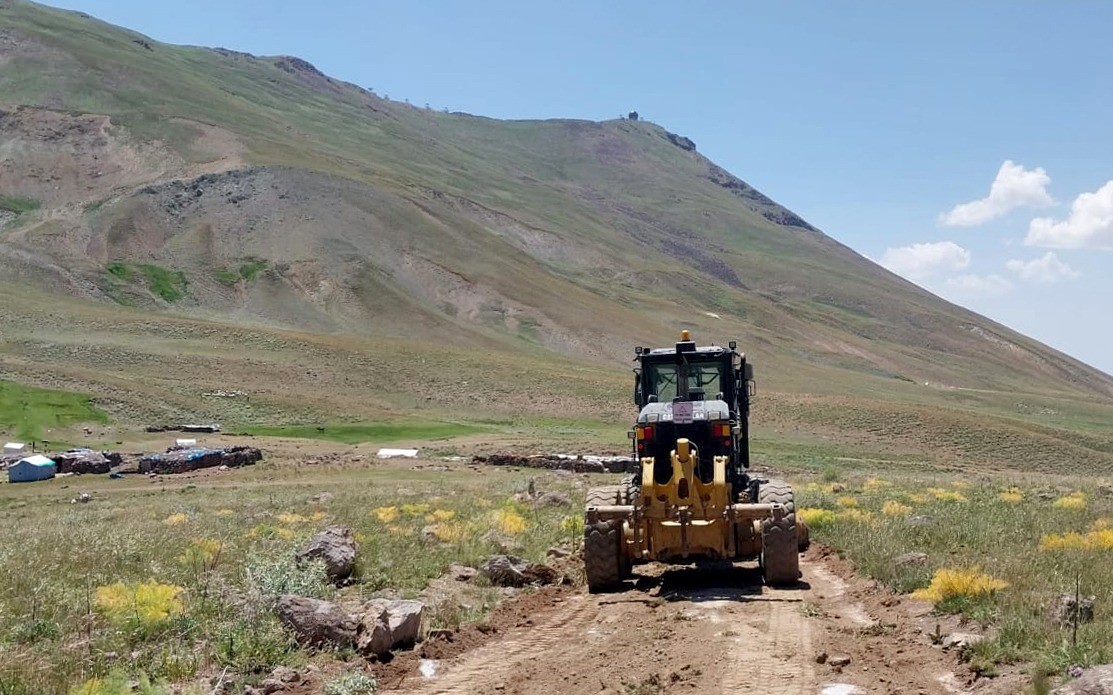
x: 954, y: 583
x: 147, y: 603
x: 1012, y: 495
x: 946, y: 495
x: 175, y: 519
x: 202, y: 554
x: 386, y: 514
x: 816, y: 518
x: 876, y: 484
x: 290, y: 518
x: 1075, y: 500
x: 848, y: 501
x: 894, y: 508
x: 509, y: 521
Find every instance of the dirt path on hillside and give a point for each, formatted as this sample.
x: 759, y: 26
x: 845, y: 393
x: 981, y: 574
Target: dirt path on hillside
x: 717, y: 631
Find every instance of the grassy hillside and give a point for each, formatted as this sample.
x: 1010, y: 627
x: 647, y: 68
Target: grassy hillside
x: 367, y: 257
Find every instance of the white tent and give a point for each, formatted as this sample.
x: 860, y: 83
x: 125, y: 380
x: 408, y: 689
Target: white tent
x: 32, y: 468
x: 13, y: 448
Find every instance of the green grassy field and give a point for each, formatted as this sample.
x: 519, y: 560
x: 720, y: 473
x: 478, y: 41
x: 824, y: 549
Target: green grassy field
x: 27, y: 413
x: 367, y: 432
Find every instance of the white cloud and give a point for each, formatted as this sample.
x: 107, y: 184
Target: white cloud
x: 919, y: 261
x: 1047, y: 269
x: 1014, y: 187
x: 1090, y: 224
x: 991, y: 285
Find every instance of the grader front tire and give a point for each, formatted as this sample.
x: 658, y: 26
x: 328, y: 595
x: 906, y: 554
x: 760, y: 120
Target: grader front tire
x: 780, y: 560
x: 602, y: 555
x: 780, y: 544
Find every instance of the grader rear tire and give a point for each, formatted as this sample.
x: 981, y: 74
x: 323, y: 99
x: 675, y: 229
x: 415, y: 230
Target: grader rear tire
x: 604, y: 496
x: 603, y: 562
x: 780, y: 558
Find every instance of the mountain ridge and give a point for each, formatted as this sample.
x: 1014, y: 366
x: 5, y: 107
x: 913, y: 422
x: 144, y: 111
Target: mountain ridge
x: 527, y: 235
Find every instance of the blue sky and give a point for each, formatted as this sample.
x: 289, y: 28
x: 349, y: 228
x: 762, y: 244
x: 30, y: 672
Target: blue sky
x: 873, y: 120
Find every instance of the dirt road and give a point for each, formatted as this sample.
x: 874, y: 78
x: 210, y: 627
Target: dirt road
x: 717, y: 631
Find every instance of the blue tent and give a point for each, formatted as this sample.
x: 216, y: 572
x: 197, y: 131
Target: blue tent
x: 30, y: 469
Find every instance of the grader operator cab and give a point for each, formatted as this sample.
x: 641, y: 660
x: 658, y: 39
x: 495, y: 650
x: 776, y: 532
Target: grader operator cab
x: 693, y: 498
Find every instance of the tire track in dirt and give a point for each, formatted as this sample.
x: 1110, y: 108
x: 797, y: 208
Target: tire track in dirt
x: 773, y: 653
x: 490, y: 664
x: 712, y: 630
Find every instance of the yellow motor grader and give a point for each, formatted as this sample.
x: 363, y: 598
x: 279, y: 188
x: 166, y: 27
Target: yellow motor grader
x: 693, y: 498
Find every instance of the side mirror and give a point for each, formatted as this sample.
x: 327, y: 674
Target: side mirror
x: 747, y: 372
x: 639, y: 398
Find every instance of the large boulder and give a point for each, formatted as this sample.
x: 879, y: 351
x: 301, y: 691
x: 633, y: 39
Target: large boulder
x: 402, y: 617
x: 1096, y: 680
x: 335, y: 546
x: 317, y: 623
x: 373, y: 637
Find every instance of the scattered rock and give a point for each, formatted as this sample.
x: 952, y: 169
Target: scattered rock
x: 337, y: 548
x: 315, y: 622
x: 1105, y: 490
x: 462, y: 573
x: 84, y: 498
x: 1096, y: 680
x: 961, y: 640
x: 921, y: 520
x: 910, y: 559
x: 286, y: 674
x: 1066, y: 610
x: 839, y: 660
x: 552, y: 499
x: 558, y: 552
x: 821, y: 658
x: 511, y: 571
x: 321, y: 498
x: 402, y: 617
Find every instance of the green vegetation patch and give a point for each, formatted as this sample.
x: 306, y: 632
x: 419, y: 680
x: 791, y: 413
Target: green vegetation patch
x: 251, y: 269
x: 248, y: 271
x: 226, y: 276
x: 367, y: 432
x: 18, y: 205
x: 27, y: 411
x: 119, y: 270
x: 171, y: 285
